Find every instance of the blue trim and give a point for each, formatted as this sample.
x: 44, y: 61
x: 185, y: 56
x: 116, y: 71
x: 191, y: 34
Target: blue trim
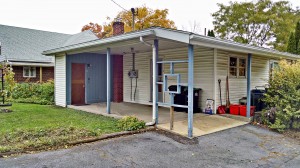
x: 108, y: 80
x: 156, y: 74
x: 249, y: 84
x: 190, y: 89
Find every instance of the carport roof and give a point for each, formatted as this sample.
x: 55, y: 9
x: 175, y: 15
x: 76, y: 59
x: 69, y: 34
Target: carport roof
x: 175, y: 35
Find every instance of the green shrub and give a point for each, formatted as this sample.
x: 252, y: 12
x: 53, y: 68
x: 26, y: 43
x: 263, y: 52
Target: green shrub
x: 38, y: 93
x: 284, y: 94
x: 130, y: 123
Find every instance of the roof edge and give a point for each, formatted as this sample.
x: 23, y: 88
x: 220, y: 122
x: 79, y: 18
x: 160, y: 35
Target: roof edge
x: 100, y: 41
x: 227, y: 45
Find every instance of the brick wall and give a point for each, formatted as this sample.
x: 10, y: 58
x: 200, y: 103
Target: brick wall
x: 48, y: 73
x: 118, y: 78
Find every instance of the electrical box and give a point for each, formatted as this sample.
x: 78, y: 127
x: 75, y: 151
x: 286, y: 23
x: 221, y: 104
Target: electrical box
x: 133, y: 74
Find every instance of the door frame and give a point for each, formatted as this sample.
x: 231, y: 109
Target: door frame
x: 85, y: 82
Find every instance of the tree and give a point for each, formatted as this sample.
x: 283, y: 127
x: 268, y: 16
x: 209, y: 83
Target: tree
x: 95, y: 28
x: 294, y: 41
x: 144, y: 18
x: 211, y: 33
x: 264, y: 23
x: 297, y: 37
x: 291, y: 48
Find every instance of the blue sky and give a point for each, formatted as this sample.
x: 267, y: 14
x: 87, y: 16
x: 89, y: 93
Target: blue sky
x: 68, y: 16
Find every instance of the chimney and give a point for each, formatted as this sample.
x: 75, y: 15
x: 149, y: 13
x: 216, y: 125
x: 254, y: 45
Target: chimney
x: 118, y: 28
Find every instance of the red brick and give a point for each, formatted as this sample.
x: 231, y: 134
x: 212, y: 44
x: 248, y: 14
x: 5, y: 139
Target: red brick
x: 48, y: 73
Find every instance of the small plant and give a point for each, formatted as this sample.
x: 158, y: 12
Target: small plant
x: 130, y: 123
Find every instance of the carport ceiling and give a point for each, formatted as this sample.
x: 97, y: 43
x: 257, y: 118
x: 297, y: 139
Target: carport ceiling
x: 125, y: 47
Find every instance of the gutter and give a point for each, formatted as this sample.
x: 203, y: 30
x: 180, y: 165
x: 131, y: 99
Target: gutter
x: 239, y: 47
x: 154, y: 82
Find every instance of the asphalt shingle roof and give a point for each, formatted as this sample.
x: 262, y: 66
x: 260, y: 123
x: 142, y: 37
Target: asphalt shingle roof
x: 23, y: 44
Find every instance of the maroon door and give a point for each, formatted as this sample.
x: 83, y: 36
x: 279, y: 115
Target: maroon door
x: 78, y: 84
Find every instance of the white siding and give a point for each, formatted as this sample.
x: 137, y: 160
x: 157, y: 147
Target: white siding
x: 203, y: 73
x: 238, y: 86
x: 60, y: 80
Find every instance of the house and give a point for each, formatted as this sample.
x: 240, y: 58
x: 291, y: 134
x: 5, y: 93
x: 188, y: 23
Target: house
x: 120, y: 69
x: 22, y: 48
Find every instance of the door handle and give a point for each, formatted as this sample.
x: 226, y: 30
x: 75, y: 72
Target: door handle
x: 83, y: 85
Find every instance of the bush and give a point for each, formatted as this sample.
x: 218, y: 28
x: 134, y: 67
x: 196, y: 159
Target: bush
x: 130, y: 123
x: 284, y: 94
x: 38, y: 93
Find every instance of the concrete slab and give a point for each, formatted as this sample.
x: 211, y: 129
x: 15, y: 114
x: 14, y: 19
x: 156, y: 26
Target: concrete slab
x: 203, y: 123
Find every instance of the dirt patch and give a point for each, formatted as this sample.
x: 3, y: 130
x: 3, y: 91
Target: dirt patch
x: 5, y: 110
x: 178, y: 138
x: 293, y: 134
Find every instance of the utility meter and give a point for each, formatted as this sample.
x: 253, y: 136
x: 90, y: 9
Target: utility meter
x: 133, y: 74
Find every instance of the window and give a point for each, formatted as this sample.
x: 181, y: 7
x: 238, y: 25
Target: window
x: 273, y: 66
x: 237, y: 67
x: 242, y: 67
x: 29, y: 71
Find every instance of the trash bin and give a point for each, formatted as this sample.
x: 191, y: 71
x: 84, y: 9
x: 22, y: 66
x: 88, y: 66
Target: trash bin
x: 182, y: 98
x: 256, y: 96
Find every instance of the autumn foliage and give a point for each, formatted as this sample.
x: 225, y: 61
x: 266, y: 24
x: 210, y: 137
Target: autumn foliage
x: 94, y: 27
x: 145, y: 18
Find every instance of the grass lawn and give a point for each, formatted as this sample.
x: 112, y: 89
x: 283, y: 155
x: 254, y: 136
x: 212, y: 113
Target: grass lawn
x: 38, y: 127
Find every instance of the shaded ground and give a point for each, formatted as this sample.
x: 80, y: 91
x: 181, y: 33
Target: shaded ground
x: 245, y: 146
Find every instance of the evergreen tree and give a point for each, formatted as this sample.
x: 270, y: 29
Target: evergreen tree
x: 297, y: 38
x: 298, y: 48
x: 291, y: 48
x: 212, y: 34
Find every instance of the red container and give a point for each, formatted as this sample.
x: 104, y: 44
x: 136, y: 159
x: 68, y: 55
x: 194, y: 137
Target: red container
x: 243, y: 110
x: 234, y: 109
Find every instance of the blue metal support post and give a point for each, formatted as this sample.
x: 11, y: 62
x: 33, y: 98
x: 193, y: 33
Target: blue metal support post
x: 249, y: 84
x: 108, y: 78
x: 155, y: 85
x: 190, y: 89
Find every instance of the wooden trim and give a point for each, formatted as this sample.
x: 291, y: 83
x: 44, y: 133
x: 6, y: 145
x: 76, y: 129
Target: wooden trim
x: 41, y: 74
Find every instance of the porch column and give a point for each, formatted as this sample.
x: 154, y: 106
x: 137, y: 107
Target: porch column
x: 108, y: 78
x: 190, y: 89
x: 249, y: 63
x: 154, y: 84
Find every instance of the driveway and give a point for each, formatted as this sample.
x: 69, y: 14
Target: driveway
x: 244, y: 146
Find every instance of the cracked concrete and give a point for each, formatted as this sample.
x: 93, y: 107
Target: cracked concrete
x: 245, y: 146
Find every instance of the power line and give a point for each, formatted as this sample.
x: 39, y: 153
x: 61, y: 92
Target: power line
x: 119, y: 5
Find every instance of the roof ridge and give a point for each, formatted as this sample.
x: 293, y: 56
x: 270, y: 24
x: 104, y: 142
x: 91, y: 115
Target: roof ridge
x: 35, y: 29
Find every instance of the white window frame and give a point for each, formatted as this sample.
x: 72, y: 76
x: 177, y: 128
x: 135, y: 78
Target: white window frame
x: 29, y: 76
x: 237, y: 67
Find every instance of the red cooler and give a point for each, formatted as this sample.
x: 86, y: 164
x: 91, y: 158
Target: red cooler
x: 243, y: 110
x: 234, y: 109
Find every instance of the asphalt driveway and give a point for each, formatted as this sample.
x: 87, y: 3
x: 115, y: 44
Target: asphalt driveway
x: 245, y: 146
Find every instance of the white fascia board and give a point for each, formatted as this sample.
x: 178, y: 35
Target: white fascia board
x: 32, y: 64
x: 173, y: 35
x: 99, y: 42
x: 237, y: 47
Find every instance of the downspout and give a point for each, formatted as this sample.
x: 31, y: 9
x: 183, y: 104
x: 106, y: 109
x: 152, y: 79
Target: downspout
x: 154, y: 81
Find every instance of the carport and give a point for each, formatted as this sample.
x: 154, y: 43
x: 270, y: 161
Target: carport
x: 138, y: 68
